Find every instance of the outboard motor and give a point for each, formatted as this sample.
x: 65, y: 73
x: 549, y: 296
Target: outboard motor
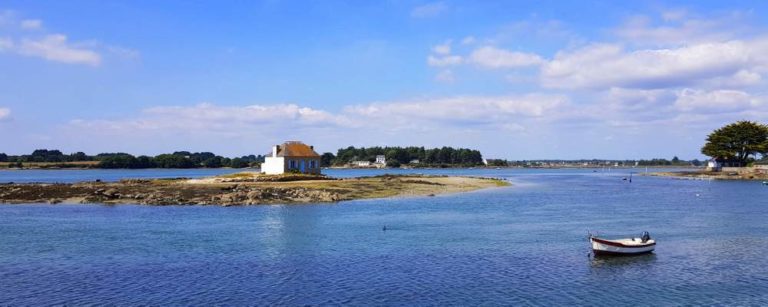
x: 646, y: 236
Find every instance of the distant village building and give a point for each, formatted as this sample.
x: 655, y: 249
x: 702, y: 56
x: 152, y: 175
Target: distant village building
x: 381, y: 159
x: 713, y: 165
x: 416, y: 161
x: 361, y: 163
x: 717, y: 164
x: 292, y: 156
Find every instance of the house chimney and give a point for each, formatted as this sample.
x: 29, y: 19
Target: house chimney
x: 312, y: 147
x: 274, y: 150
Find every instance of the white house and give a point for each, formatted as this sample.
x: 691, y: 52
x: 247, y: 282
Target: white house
x: 291, y: 156
x: 381, y: 159
x: 714, y: 165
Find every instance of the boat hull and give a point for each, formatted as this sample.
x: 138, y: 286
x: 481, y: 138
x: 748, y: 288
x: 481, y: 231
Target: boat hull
x: 601, y: 247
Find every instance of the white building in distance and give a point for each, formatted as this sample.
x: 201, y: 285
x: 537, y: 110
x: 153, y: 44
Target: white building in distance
x: 291, y: 157
x: 381, y: 159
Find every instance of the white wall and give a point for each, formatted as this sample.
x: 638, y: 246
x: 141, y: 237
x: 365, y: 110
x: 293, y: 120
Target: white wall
x: 273, y: 165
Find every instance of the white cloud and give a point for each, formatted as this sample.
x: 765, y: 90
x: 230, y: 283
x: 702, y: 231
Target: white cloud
x: 442, y: 56
x: 31, y: 24
x: 28, y: 37
x: 468, y: 40
x: 678, y: 28
x: 5, y: 113
x: 55, y: 47
x: 210, y: 117
x: 715, y: 101
x: 441, y: 61
x: 634, y: 101
x: 451, y: 112
x: 481, y: 109
x: 442, y: 49
x: 429, y: 10
x: 492, y: 57
x: 610, y: 65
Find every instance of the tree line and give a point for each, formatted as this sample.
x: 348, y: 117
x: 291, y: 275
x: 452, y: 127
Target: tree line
x: 396, y: 156
x: 179, y: 159
x: 675, y: 161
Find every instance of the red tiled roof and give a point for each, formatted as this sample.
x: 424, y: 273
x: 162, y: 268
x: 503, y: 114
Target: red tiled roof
x: 296, y: 149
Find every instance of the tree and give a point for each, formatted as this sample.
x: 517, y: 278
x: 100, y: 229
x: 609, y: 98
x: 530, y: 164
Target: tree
x: 119, y: 161
x: 173, y: 161
x: 79, y: 156
x: 740, y: 142
x: 214, y: 162
x: 327, y: 159
x: 238, y: 163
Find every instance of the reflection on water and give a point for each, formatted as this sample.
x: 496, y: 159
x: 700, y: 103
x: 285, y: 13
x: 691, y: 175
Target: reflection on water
x: 608, y: 261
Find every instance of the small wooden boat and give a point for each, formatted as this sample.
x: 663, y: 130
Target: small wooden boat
x: 622, y: 247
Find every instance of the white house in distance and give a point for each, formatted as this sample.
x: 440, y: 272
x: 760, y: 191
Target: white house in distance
x: 713, y: 165
x: 381, y: 159
x: 291, y: 156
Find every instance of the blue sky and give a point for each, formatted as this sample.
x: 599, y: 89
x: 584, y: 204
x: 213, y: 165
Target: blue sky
x: 517, y: 80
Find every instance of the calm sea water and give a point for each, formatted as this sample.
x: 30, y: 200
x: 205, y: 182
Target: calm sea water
x: 520, y: 245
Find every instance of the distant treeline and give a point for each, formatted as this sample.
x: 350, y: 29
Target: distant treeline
x: 179, y: 159
x: 596, y: 162
x: 396, y: 156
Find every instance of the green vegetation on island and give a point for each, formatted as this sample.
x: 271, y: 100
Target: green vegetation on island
x: 591, y: 163
x: 412, y: 155
x: 739, y: 143
x: 395, y: 157
x: 739, y: 151
x: 43, y: 158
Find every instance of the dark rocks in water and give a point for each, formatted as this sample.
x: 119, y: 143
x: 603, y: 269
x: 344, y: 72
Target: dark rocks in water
x: 178, y: 192
x: 135, y: 181
x: 112, y: 193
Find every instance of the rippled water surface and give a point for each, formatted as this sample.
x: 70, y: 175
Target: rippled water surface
x: 524, y: 244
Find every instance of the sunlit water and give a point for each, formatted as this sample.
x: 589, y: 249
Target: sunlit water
x: 524, y: 244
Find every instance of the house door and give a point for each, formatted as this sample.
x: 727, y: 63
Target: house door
x: 301, y: 165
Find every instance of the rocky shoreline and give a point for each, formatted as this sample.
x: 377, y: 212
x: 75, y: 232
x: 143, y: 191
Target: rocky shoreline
x: 706, y: 175
x: 239, y: 190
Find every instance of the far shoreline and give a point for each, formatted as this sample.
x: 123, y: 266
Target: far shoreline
x: 362, y: 168
x: 710, y: 175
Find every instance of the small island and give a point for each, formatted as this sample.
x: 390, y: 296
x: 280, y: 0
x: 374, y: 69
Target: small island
x: 242, y: 189
x: 735, y: 149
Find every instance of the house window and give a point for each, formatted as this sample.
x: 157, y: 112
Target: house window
x: 312, y: 164
x: 292, y: 164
